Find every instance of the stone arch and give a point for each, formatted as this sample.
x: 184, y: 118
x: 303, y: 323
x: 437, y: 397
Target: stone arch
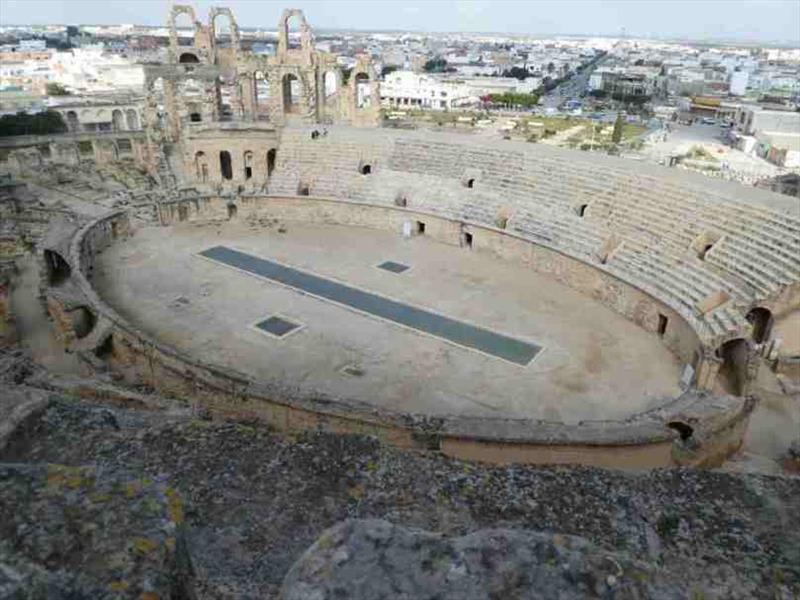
x: 225, y: 165
x: 291, y: 93
x: 57, y: 269
x: 732, y: 375
x: 118, y: 120
x: 132, y: 119
x: 201, y: 166
x: 228, y: 94
x: 247, y: 159
x: 362, y: 89
x: 331, y: 82
x: 181, y: 12
x: 73, y: 124
x: 261, y: 92
x: 272, y: 155
x: 762, y: 320
x: 82, y: 321
x: 219, y: 37
x: 188, y: 58
x: 289, y: 17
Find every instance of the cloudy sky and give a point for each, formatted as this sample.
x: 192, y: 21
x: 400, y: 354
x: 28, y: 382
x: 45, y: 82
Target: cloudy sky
x: 750, y: 20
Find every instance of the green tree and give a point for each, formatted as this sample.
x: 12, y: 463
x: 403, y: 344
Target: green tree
x: 435, y: 65
x: 56, y: 89
x: 616, y: 135
x: 39, y: 124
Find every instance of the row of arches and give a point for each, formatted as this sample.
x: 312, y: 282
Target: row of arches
x: 226, y: 165
x: 121, y: 120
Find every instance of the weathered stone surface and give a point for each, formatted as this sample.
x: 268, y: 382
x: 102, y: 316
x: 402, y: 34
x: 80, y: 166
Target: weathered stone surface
x: 72, y: 532
x: 254, y: 501
x: 372, y: 559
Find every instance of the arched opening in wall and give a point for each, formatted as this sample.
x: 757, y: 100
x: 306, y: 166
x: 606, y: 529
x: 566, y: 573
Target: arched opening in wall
x: 272, y: 154
x: 303, y: 189
x: 201, y: 167
x: 195, y: 117
x: 226, y: 87
x: 248, y: 165
x: 293, y: 33
x: 188, y: 58
x: 365, y: 169
x: 225, y: 166
x: 183, y: 212
x: 468, y: 239
x: 232, y: 210
x: 185, y: 29
x: 761, y: 320
x: 732, y: 375
x: 132, y: 119
x: 363, y: 90
x: 291, y: 93
x: 704, y: 242
x: 223, y: 30
x: 72, y: 121
x: 470, y: 183
x: 330, y: 83
x: 57, y: 269
x: 83, y: 321
x: 401, y: 200
x: 105, y: 349
x: 685, y: 431
x: 118, y: 120
x: 581, y: 210
x: 261, y: 93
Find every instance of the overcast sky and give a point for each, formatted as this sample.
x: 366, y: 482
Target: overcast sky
x: 750, y: 20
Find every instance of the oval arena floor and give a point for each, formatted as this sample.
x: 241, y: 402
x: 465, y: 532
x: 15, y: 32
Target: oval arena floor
x: 587, y: 363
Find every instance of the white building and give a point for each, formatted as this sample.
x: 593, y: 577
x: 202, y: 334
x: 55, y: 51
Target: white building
x: 409, y: 89
x: 738, y: 83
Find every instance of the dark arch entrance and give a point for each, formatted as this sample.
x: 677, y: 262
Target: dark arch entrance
x: 58, y: 270
x: 732, y: 376
x: 225, y: 166
x: 188, y: 58
x: 761, y: 319
x: 271, y: 155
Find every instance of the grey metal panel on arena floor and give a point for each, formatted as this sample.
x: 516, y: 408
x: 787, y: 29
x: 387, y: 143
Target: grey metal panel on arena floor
x: 393, y: 267
x: 277, y: 326
x: 464, y: 334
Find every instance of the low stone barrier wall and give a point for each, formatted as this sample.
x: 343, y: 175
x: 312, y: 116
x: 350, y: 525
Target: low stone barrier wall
x: 695, y: 428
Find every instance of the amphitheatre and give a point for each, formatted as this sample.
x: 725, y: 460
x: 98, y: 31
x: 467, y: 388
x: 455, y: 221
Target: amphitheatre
x: 250, y: 242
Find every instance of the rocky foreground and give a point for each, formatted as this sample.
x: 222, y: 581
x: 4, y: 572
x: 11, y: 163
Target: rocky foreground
x: 104, y: 502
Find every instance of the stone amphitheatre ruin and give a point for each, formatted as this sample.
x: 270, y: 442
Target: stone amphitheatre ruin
x: 534, y: 304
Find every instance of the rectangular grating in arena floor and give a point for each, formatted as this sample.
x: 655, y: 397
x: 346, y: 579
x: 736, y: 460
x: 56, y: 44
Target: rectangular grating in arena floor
x: 277, y: 326
x: 393, y: 267
x: 451, y: 330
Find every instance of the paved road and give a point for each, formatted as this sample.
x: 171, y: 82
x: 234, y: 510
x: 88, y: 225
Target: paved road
x: 571, y: 88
